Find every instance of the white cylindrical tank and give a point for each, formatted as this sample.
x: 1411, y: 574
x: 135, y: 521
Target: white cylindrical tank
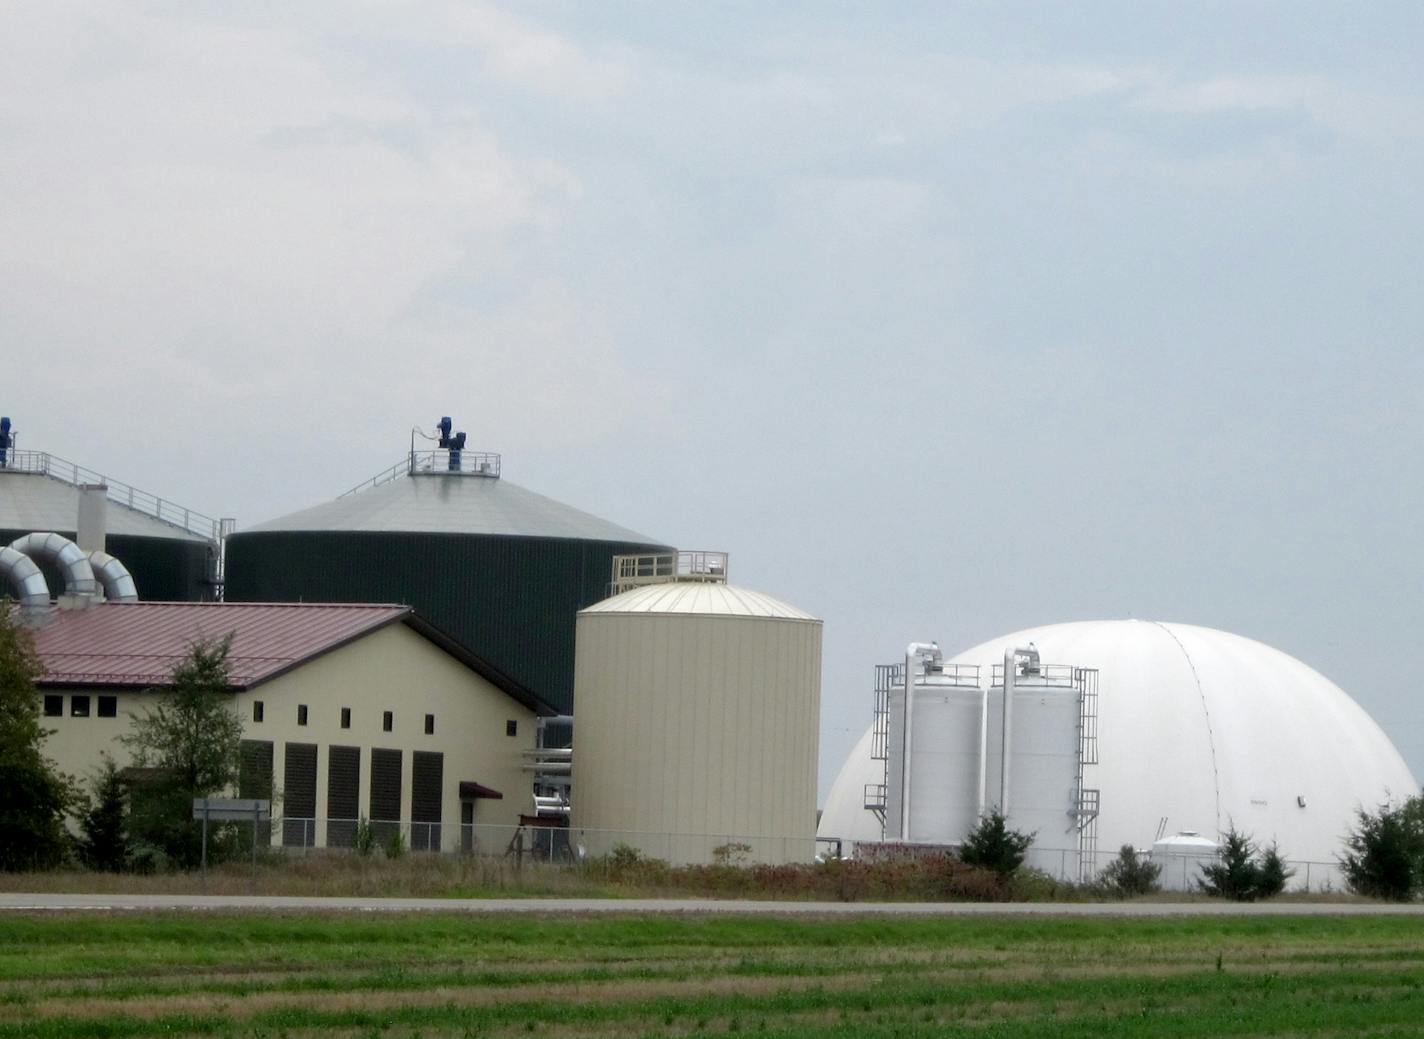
x: 944, y: 759
x: 1043, y: 763
x: 696, y: 726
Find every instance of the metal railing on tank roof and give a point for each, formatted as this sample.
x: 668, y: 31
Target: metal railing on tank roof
x: 45, y: 464
x: 633, y: 571
x: 439, y: 462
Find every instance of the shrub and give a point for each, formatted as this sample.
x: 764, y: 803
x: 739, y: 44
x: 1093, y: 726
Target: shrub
x: 993, y: 846
x: 734, y: 853
x: 395, y: 845
x: 1239, y: 876
x: 103, y: 824
x: 1385, y: 852
x: 1128, y: 875
x: 363, y: 840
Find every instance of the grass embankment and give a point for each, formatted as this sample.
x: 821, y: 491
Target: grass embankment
x: 297, y: 976
x: 625, y: 876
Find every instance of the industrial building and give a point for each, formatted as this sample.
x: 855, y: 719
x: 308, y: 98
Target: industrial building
x: 698, y: 713
x: 348, y: 712
x: 499, y: 567
x: 1113, y: 733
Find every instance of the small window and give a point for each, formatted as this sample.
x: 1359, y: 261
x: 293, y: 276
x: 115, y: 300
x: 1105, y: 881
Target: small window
x: 388, y: 721
x: 108, y: 707
x: 511, y: 728
x: 346, y: 717
x: 257, y: 710
x: 54, y: 706
x: 430, y: 725
x: 301, y: 714
x: 79, y: 706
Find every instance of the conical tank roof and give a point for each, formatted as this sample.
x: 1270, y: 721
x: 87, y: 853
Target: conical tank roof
x: 453, y: 504
x: 35, y: 502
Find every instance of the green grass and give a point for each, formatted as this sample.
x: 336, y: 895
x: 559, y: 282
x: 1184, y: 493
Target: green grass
x: 226, y: 974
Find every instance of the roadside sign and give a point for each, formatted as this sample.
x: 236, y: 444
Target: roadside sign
x: 225, y: 809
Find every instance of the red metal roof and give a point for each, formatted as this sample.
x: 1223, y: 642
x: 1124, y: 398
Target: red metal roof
x: 137, y: 644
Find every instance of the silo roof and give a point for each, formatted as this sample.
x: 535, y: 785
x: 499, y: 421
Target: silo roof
x: 37, y: 502
x: 455, y: 504
x: 703, y: 598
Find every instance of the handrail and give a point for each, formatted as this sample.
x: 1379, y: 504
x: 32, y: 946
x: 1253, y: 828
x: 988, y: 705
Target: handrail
x: 45, y: 464
x: 435, y: 463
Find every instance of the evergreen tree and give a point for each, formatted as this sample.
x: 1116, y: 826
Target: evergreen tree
x: 1384, y: 855
x: 103, y: 822
x: 1239, y: 875
x: 33, y: 795
x: 187, y: 747
x: 992, y: 845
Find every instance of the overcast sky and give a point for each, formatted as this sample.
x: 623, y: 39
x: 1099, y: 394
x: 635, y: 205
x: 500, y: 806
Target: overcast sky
x: 943, y: 319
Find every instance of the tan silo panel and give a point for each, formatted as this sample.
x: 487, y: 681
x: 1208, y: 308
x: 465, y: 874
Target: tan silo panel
x: 698, y: 708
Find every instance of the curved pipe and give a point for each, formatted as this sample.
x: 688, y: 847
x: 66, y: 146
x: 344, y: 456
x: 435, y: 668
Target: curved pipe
x: 66, y: 555
x: 115, y: 578
x: 20, y: 571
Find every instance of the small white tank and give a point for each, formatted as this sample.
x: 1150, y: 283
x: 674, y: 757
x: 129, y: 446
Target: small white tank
x: 944, y: 759
x: 1182, y: 857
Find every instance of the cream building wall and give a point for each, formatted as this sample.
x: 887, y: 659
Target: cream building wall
x: 391, y: 669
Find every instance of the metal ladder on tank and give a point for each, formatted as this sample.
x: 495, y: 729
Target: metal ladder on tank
x: 1087, y: 800
x: 887, y: 677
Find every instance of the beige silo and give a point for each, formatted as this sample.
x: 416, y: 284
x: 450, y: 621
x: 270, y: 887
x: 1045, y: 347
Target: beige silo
x: 698, y: 704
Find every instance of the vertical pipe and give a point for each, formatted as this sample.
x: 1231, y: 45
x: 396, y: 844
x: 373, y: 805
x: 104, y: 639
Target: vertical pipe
x: 1010, y: 666
x: 905, y: 748
x: 983, y: 748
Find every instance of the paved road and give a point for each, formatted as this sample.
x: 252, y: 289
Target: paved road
x: 15, y: 902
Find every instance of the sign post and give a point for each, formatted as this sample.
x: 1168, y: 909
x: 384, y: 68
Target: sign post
x: 231, y: 809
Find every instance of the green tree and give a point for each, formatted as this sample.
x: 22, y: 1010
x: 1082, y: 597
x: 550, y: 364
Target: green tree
x: 1240, y: 875
x: 1129, y: 875
x: 34, y: 796
x: 1384, y: 855
x: 185, y: 747
x: 992, y: 845
x: 103, y: 821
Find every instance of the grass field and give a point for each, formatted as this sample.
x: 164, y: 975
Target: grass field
x: 211, y: 974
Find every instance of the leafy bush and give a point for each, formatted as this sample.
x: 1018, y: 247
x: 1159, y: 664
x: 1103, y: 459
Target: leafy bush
x: 1239, y: 875
x: 1385, y: 852
x: 1128, y: 875
x: 993, y: 846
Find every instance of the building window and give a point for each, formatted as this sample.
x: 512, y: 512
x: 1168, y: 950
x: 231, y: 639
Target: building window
x: 301, y: 714
x: 108, y: 707
x: 346, y: 717
x: 430, y: 725
x: 511, y: 728
x: 79, y: 706
x: 54, y: 706
x: 388, y: 721
x: 257, y: 710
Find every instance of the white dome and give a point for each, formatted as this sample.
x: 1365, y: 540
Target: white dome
x: 1197, y: 730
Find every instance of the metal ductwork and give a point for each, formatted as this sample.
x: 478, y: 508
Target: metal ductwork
x: 64, y: 554
x: 24, y: 577
x: 115, y: 578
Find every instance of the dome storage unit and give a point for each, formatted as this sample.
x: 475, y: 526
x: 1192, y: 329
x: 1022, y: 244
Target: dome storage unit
x: 698, y: 706
x: 502, y: 569
x: 173, y: 553
x: 1175, y: 726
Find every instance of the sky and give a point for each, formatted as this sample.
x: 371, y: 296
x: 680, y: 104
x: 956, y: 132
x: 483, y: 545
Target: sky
x: 943, y: 319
